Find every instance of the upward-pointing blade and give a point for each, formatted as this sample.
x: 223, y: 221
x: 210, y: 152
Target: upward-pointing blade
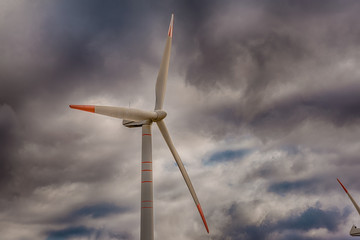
x: 165, y: 133
x: 164, y: 67
x: 351, y: 198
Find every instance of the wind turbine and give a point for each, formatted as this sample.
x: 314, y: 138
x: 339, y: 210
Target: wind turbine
x: 141, y: 118
x: 354, y: 231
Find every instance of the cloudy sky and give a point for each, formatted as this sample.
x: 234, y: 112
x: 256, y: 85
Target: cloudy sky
x: 263, y: 103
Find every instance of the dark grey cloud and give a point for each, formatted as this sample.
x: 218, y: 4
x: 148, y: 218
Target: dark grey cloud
x: 277, y: 38
x: 285, y: 44
x: 9, y: 136
x: 339, y: 106
x: 70, y: 47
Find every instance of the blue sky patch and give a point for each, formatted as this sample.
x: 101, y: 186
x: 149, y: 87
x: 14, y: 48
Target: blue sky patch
x: 79, y: 231
x: 94, y: 211
x: 99, y: 210
x: 314, y: 218
x: 228, y: 155
x: 282, y: 188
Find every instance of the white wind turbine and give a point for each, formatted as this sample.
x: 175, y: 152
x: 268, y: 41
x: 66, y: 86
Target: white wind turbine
x: 354, y: 231
x: 141, y: 118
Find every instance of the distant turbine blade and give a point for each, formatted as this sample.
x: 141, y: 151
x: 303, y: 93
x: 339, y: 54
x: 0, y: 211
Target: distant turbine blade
x: 118, y: 112
x: 165, y: 133
x: 351, y: 198
x: 164, y: 67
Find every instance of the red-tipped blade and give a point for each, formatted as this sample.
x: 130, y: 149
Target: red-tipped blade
x: 171, y: 26
x: 342, y: 186
x: 203, y: 217
x: 88, y: 108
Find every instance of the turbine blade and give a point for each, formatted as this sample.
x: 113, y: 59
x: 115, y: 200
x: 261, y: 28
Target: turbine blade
x: 165, y: 133
x: 164, y: 67
x: 118, y: 112
x: 351, y: 198
x: 88, y: 108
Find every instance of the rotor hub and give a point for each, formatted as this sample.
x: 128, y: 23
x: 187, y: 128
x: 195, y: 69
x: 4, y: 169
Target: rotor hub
x: 160, y: 115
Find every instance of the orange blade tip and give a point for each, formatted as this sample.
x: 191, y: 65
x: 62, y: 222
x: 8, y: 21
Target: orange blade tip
x: 171, y: 26
x: 342, y: 186
x: 88, y: 108
x: 202, y: 216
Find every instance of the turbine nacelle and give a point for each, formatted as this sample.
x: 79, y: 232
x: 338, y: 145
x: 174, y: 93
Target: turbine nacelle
x: 354, y: 231
x: 133, y: 124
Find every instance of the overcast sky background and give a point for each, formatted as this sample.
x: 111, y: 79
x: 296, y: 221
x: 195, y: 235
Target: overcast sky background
x: 263, y: 103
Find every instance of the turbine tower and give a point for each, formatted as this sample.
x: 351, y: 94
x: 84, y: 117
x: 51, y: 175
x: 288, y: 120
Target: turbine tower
x: 141, y: 118
x: 354, y: 231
